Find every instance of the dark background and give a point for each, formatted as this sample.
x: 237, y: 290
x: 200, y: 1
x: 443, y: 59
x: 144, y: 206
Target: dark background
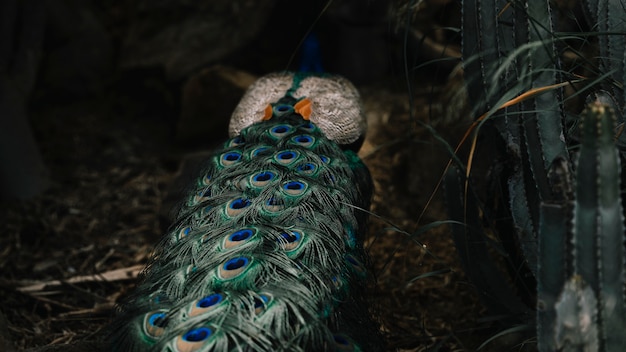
x: 128, y: 95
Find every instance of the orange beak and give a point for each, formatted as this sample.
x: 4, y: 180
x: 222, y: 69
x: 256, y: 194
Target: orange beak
x: 303, y: 107
x: 268, y: 112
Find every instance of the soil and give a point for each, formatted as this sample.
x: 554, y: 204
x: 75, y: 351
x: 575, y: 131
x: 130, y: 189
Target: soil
x: 112, y: 158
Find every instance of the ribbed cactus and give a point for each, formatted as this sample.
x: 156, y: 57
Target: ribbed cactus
x: 509, y: 50
x: 563, y: 191
x: 582, y: 263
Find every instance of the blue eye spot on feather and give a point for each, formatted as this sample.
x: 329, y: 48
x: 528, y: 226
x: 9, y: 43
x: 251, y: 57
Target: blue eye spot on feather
x: 290, y: 237
x: 280, y: 131
x: 290, y: 240
x: 238, y: 238
x: 286, y: 157
x: 206, y: 304
x: 202, y: 195
x: 260, y: 303
x: 237, y: 206
x: 193, y: 340
x: 233, y: 156
x: 241, y: 235
x: 206, y: 180
x: 239, y: 203
x: 236, y: 263
x: 230, y: 158
x: 210, y: 301
x: 197, y: 335
x: 260, y: 151
x: 324, y: 159
x: 306, y: 168
x: 235, y: 142
x: 294, y: 185
x: 307, y: 126
x: 294, y: 188
x: 274, y: 204
x: 282, y: 110
x: 262, y: 178
x: 158, y: 319
x: 304, y: 140
x: 205, y: 210
x: 184, y: 232
x: 234, y: 267
x: 342, y: 343
x: 155, y: 323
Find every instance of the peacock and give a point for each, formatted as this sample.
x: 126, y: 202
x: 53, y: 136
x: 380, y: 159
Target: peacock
x: 266, y: 253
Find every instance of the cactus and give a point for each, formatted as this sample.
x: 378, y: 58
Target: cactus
x: 532, y: 130
x: 582, y: 262
x: 509, y: 51
x: 575, y: 328
x: 609, y: 20
x: 598, y: 233
x: 567, y: 215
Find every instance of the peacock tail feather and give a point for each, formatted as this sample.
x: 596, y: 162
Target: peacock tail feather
x: 266, y: 253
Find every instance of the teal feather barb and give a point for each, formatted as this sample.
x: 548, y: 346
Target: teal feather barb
x: 266, y: 254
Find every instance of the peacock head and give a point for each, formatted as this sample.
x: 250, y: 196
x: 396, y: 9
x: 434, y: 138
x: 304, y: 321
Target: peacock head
x: 329, y: 101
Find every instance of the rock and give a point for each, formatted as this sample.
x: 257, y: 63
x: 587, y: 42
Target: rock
x: 183, y: 36
x: 23, y: 174
x: 79, y: 51
x: 208, y: 99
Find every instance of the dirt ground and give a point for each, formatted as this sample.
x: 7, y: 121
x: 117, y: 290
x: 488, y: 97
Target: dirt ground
x: 112, y: 158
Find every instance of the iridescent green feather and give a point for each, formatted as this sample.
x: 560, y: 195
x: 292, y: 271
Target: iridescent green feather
x: 266, y: 254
